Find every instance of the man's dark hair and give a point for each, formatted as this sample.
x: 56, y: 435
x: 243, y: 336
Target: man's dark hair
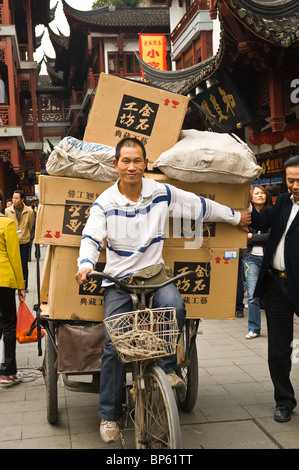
x: 291, y: 161
x: 1, y: 196
x: 129, y: 142
x: 21, y: 193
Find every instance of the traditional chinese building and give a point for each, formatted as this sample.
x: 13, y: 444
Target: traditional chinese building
x: 101, y: 40
x: 250, y: 86
x: 20, y: 147
x: 192, y: 29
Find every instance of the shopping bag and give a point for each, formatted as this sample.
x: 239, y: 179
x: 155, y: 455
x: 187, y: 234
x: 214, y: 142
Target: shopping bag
x: 25, y: 319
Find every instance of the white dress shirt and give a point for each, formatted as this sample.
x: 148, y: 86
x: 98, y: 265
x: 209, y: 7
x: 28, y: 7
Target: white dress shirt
x: 278, y: 257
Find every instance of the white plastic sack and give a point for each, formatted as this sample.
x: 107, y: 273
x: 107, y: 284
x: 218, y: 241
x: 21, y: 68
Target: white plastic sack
x: 202, y: 156
x: 79, y: 159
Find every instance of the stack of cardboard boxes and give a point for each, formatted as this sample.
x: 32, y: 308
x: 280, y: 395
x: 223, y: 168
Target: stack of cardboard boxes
x: 213, y: 294
x: 124, y: 108
x: 64, y: 205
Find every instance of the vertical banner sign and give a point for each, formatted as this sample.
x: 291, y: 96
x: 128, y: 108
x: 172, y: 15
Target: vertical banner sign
x: 153, y: 50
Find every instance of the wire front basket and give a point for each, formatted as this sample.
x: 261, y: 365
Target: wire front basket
x: 143, y: 334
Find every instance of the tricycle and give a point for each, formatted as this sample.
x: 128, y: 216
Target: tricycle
x: 141, y: 338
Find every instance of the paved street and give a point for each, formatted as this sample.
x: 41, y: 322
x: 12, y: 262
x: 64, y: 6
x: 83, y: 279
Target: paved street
x: 234, y: 408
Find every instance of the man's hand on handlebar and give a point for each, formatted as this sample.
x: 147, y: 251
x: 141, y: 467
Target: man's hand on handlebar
x: 81, y: 276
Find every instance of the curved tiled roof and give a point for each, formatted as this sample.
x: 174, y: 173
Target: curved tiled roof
x: 45, y: 84
x: 180, y: 81
x: 122, y: 17
x: 59, y: 39
x: 38, y: 39
x: 275, y: 21
x: 52, y: 12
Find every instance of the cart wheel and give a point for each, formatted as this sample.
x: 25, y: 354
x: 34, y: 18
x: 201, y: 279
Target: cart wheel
x: 50, y: 377
x: 187, y: 395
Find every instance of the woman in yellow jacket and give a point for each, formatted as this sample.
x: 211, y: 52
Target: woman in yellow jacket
x: 11, y: 278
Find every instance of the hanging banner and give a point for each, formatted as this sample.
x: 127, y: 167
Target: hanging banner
x: 153, y: 50
x: 224, y: 104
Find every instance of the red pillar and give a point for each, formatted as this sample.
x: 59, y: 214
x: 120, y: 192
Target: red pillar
x: 276, y: 91
x: 2, y: 186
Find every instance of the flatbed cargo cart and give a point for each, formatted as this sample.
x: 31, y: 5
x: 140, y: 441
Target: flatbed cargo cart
x: 73, y: 349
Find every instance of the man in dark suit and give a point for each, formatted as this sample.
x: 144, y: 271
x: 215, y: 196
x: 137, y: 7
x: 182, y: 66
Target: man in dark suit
x: 278, y: 285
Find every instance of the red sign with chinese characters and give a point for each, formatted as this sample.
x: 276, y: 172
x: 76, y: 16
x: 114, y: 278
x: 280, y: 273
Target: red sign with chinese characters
x: 153, y: 50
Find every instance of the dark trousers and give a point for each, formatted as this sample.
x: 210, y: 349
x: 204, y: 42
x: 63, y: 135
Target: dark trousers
x: 280, y: 316
x: 8, y: 323
x: 240, y: 288
x: 113, y: 371
x: 24, y: 250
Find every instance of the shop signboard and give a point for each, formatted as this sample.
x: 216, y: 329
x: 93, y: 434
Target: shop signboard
x: 153, y: 50
x: 223, y: 106
x: 272, y: 166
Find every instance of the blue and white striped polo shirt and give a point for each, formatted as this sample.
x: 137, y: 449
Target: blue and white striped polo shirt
x: 134, y: 231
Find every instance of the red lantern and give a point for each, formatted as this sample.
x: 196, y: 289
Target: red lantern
x: 254, y: 141
x: 271, y: 138
x: 291, y: 132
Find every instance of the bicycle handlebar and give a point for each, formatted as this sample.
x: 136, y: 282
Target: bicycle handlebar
x: 140, y: 287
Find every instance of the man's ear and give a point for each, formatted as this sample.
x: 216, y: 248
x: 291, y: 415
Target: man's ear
x: 115, y: 163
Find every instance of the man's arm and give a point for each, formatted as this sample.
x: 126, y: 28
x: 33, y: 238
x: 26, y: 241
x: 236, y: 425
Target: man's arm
x: 216, y: 212
x: 31, y: 219
x: 196, y: 207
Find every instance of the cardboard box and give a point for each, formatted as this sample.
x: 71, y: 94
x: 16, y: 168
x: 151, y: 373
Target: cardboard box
x: 215, y: 234
x: 44, y: 310
x: 66, y: 299
x: 45, y: 276
x: 213, y: 295
x: 63, y: 209
x: 127, y: 108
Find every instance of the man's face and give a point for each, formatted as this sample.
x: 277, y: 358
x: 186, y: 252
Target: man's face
x: 130, y: 165
x: 292, y: 179
x: 17, y: 200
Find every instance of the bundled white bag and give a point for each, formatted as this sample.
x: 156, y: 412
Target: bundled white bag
x: 202, y: 156
x: 78, y: 159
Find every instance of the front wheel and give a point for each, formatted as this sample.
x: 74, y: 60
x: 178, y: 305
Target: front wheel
x: 51, y: 377
x: 157, y: 424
